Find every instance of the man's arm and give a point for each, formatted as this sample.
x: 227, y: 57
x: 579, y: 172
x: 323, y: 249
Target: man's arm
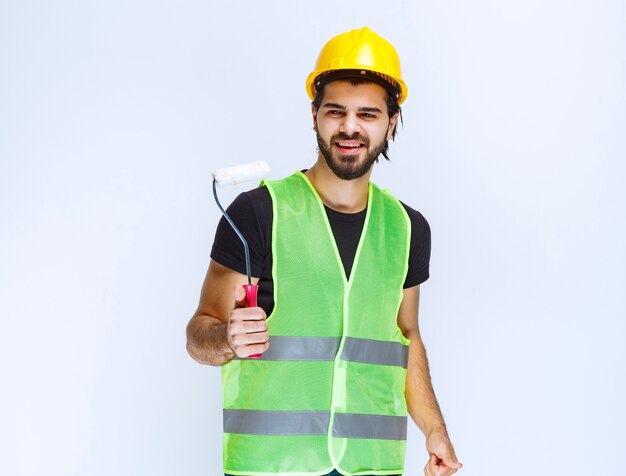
x: 420, y: 396
x: 222, y: 326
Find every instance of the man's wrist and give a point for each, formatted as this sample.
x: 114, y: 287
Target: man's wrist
x: 439, y: 428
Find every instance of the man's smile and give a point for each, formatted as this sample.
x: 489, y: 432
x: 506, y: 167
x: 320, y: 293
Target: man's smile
x: 350, y: 146
x: 347, y: 149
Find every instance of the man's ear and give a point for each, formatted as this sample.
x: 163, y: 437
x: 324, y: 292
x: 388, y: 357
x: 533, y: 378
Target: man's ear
x: 314, y: 114
x: 393, y: 121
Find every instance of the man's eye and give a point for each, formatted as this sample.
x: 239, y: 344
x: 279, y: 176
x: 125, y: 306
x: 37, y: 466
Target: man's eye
x: 367, y: 115
x: 335, y: 112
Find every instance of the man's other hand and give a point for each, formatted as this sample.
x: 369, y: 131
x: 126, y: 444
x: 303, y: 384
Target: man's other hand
x: 443, y: 461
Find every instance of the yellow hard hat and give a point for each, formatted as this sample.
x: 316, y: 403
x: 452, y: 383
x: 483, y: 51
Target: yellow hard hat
x: 358, y: 53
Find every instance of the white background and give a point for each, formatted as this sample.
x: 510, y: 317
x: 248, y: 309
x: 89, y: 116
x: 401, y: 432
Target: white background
x: 112, y: 116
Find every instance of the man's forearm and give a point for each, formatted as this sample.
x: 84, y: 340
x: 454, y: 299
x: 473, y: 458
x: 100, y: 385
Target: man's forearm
x: 207, y: 341
x: 420, y: 396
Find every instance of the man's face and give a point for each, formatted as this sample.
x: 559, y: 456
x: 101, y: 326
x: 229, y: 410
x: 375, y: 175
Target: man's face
x: 352, y: 125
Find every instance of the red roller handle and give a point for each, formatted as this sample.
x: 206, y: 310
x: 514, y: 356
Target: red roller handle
x: 251, y: 293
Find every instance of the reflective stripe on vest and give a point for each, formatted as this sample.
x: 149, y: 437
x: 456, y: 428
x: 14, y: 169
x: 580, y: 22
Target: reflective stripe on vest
x: 325, y: 348
x: 375, y: 352
x: 345, y: 425
x: 381, y: 427
x: 255, y: 422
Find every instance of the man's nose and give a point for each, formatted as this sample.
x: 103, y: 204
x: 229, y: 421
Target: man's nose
x: 350, y: 124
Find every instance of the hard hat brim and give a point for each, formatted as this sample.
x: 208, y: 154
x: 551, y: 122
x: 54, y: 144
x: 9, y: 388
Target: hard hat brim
x: 389, y: 84
x: 318, y: 79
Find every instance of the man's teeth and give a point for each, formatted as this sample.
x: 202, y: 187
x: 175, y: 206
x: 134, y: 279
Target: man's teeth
x: 349, y: 146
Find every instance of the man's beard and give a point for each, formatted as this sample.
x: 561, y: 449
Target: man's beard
x: 348, y: 167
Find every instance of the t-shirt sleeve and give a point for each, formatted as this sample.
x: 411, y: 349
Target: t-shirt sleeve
x: 247, y: 212
x: 419, y: 254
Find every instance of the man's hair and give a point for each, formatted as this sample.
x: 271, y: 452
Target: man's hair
x: 392, y: 108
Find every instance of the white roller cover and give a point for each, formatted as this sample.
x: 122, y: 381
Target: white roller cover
x: 241, y: 173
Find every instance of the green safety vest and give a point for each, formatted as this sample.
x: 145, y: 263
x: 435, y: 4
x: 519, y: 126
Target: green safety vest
x: 329, y: 392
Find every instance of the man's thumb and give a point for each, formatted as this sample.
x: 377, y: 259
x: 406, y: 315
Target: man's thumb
x: 240, y: 296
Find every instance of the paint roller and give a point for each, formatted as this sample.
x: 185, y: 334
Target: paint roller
x: 234, y: 176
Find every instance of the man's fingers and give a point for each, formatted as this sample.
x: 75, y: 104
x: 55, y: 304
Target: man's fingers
x: 246, y: 326
x: 248, y: 314
x: 438, y: 467
x: 247, y: 331
x: 244, y: 345
x: 249, y: 350
x: 431, y: 466
x: 448, y: 460
x: 453, y: 464
x: 249, y: 338
x: 445, y: 471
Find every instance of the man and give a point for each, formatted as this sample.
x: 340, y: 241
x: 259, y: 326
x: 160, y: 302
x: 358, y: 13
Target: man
x: 339, y: 263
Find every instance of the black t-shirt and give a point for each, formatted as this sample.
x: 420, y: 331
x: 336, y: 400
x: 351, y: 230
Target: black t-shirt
x: 252, y: 213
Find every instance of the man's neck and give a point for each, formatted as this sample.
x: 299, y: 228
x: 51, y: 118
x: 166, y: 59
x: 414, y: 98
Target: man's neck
x: 346, y: 196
